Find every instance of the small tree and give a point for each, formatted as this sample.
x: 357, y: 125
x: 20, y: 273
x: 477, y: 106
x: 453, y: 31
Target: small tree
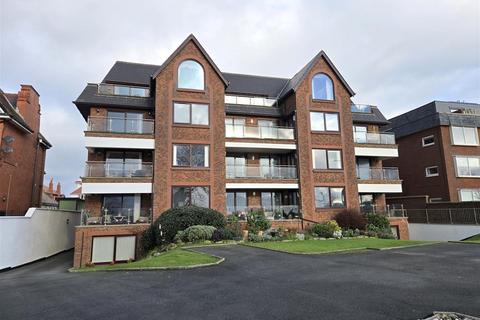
x: 351, y: 219
x: 256, y: 222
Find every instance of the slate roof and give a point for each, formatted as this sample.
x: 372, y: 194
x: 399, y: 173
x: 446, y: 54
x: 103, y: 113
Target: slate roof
x: 10, y: 109
x: 236, y: 109
x: 374, y: 117
x: 130, y: 73
x: 433, y: 114
x: 254, y: 85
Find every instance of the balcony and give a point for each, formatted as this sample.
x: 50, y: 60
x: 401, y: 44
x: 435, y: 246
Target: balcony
x: 261, y: 172
x: 259, y: 132
x: 373, y: 138
x: 122, y: 90
x: 116, y: 216
x: 361, y: 108
x: 280, y: 212
x: 378, y: 174
x: 118, y: 169
x: 120, y: 125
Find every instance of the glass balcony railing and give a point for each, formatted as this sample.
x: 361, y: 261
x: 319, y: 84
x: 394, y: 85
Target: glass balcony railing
x: 258, y: 132
x: 274, y: 212
x: 378, y: 174
x: 361, y: 108
x: 118, y: 169
x: 261, y: 172
x: 120, y: 125
x: 373, y: 137
x: 121, y: 90
x: 109, y: 216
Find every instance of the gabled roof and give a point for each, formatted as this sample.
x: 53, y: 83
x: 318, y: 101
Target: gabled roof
x: 10, y: 110
x: 293, y: 83
x: 192, y: 38
x: 255, y: 85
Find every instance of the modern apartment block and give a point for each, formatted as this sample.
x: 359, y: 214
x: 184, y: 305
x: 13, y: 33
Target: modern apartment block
x: 439, y: 153
x: 22, y: 151
x: 185, y: 133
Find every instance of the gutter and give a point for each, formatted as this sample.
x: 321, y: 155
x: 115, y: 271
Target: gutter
x: 18, y: 124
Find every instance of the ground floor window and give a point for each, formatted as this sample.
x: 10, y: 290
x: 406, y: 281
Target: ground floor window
x: 191, y: 196
x: 469, y: 195
x: 366, y: 203
x: 329, y: 197
x: 236, y: 202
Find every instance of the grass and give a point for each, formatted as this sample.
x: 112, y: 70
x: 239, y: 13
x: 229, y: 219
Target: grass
x: 327, y: 246
x: 474, y: 239
x: 177, y: 258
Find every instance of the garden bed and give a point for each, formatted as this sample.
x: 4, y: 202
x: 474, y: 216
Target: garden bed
x: 172, y: 259
x: 335, y: 245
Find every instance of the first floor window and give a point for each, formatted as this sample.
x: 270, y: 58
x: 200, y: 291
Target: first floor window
x: 469, y: 194
x: 191, y: 196
x: 431, y: 171
x: 118, y: 205
x: 329, y: 197
x: 326, y: 159
x: 190, y: 113
x: 464, y: 136
x: 428, y: 141
x: 467, y: 166
x: 323, y: 121
x: 190, y: 155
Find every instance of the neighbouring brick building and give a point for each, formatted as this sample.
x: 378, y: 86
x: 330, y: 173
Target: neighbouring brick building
x: 439, y: 153
x: 22, y: 151
x: 184, y: 132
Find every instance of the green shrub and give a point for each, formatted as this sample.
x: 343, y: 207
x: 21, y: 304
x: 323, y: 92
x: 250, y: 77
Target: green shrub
x: 179, y: 219
x: 379, y: 221
x: 234, y: 226
x: 223, y: 234
x: 256, y: 222
x: 150, y: 239
x: 351, y: 219
x: 196, y: 233
x: 327, y: 229
x: 253, y: 237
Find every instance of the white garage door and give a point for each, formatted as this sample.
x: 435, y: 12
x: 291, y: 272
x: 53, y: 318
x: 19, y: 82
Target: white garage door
x: 102, y: 250
x: 125, y: 248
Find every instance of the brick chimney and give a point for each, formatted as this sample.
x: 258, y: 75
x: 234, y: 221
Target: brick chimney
x: 50, y: 186
x: 59, y: 189
x: 29, y: 107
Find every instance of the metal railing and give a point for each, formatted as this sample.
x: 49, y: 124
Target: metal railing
x: 122, y: 90
x: 373, y: 137
x: 120, y: 125
x: 116, y: 216
x: 280, y: 212
x: 378, y: 174
x: 258, y: 132
x: 261, y: 172
x: 444, y: 216
x: 118, y: 169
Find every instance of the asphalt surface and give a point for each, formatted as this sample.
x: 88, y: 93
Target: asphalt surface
x: 252, y: 283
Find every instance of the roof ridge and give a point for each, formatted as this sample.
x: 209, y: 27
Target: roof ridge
x: 141, y: 63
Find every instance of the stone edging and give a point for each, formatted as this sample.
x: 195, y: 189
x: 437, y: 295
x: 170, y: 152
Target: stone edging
x: 465, y: 242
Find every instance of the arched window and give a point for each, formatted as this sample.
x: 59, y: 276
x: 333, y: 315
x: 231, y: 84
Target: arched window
x: 322, y: 87
x: 190, y: 75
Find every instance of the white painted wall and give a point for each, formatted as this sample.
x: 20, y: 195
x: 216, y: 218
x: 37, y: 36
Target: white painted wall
x: 116, y: 187
x: 120, y: 143
x: 379, y: 187
x: 39, y: 234
x: 441, y: 232
x: 376, y: 152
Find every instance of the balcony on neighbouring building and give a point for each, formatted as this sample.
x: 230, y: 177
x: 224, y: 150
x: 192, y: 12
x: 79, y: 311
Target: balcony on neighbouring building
x: 114, y: 169
x: 259, y: 132
x: 122, y: 90
x: 378, y: 180
x: 120, y: 125
x: 378, y: 174
x: 363, y: 137
x: 276, y: 172
x: 116, y: 216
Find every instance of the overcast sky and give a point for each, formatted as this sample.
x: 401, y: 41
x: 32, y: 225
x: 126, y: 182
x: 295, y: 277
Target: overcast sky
x: 394, y: 54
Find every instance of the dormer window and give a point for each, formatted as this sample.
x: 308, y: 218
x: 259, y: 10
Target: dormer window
x: 191, y: 75
x: 322, y: 87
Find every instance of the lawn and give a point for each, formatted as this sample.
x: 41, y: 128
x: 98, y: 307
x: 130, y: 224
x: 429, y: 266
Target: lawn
x: 177, y: 258
x: 326, y: 246
x: 475, y: 239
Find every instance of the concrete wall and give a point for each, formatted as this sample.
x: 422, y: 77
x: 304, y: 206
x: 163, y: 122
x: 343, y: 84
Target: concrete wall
x: 39, y: 234
x: 441, y: 232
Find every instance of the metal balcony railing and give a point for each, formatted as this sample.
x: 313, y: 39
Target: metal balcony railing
x: 373, y: 137
x: 258, y: 132
x: 120, y: 125
x: 116, y: 216
x: 118, y: 169
x: 261, y: 172
x: 122, y: 90
x: 378, y: 174
x: 276, y: 212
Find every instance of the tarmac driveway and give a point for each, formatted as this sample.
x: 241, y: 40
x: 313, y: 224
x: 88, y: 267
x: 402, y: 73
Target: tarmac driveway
x: 254, y: 283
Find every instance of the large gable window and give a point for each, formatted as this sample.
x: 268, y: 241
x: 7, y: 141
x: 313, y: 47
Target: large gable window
x: 191, y: 75
x: 322, y: 87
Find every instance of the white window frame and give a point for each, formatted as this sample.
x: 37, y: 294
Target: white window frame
x: 456, y: 168
x: 428, y: 144
x: 463, y: 130
x: 471, y: 190
x: 428, y: 175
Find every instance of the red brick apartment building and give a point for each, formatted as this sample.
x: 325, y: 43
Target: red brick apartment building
x: 439, y: 152
x: 184, y: 132
x: 22, y: 151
